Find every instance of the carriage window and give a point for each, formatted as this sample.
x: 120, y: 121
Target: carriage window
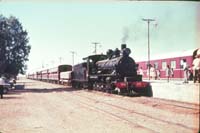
x: 164, y: 65
x: 173, y: 64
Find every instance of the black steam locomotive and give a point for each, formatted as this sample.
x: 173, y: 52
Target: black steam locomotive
x: 115, y: 72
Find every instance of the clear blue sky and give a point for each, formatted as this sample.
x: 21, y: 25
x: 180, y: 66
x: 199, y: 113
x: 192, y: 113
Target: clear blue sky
x: 56, y: 28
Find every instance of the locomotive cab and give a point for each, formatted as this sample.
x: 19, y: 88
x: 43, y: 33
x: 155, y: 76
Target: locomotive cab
x: 91, y: 62
x: 84, y: 74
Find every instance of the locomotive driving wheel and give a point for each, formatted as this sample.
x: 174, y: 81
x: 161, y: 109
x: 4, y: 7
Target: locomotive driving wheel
x: 118, y: 91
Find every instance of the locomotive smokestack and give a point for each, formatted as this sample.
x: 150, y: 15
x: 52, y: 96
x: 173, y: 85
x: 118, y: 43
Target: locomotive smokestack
x: 123, y: 46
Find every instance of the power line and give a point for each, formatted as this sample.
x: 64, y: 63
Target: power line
x: 72, y: 52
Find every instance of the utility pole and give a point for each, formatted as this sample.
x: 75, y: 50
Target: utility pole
x: 42, y: 64
x: 95, y: 46
x: 72, y: 52
x: 60, y: 60
x: 148, y: 22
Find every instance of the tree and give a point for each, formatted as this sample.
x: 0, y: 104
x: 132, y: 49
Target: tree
x: 14, y: 48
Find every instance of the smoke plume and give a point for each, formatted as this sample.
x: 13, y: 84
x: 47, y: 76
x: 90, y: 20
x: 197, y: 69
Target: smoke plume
x: 125, y: 35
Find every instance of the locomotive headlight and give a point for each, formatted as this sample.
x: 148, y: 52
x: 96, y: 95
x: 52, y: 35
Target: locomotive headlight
x: 126, y: 52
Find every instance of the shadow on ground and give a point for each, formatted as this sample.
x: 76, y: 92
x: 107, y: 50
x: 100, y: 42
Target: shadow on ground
x: 14, y: 93
x: 43, y: 90
x: 10, y: 97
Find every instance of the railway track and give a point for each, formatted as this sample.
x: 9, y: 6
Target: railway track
x: 157, y: 102
x: 137, y: 118
x: 109, y: 114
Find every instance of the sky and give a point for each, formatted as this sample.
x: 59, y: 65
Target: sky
x: 55, y: 29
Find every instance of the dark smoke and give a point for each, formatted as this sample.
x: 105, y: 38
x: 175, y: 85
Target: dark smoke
x: 125, y: 35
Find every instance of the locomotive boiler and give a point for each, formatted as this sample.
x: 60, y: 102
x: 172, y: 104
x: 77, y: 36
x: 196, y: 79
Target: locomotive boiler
x: 118, y: 64
x: 115, y: 72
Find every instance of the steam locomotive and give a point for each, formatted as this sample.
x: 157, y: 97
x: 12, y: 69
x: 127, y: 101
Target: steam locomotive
x: 115, y: 72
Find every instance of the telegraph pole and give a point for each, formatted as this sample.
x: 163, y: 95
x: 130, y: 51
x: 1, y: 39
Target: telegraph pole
x: 60, y: 60
x: 148, y: 22
x: 72, y: 52
x: 95, y: 46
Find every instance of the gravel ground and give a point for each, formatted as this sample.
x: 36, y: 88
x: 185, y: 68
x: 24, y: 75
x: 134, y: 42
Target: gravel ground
x: 47, y: 108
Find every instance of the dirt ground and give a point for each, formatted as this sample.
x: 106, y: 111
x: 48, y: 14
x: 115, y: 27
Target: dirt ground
x: 50, y: 108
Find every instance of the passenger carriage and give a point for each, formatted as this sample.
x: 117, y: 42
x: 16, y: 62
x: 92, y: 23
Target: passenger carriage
x: 54, y: 73
x: 66, y: 77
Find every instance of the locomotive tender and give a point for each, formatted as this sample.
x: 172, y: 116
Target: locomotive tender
x: 115, y: 72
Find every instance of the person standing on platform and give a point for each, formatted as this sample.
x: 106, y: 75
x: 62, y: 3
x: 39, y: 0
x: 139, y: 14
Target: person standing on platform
x: 172, y: 72
x: 185, y: 69
x: 2, y: 82
x: 141, y: 71
x: 168, y: 73
x: 153, y: 72
x: 158, y: 74
x: 196, y: 68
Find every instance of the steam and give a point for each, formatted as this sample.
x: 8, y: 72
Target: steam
x: 125, y: 35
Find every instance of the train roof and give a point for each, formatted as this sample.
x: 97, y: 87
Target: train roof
x: 48, y: 68
x: 167, y: 55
